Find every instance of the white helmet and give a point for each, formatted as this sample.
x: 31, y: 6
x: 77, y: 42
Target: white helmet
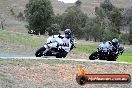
x: 114, y: 42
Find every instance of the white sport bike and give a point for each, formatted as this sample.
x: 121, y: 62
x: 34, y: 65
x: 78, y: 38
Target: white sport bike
x: 48, y: 50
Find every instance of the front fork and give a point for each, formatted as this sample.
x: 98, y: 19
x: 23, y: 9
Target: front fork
x: 47, y: 49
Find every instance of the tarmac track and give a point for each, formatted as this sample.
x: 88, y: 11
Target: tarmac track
x: 15, y: 56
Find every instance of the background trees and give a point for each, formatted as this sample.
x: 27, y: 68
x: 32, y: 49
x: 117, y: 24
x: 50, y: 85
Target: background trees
x: 54, y: 29
x: 108, y: 23
x: 38, y: 14
x: 75, y: 20
x: 127, y: 25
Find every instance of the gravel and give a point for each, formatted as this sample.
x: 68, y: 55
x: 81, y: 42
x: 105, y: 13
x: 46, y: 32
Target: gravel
x: 44, y: 73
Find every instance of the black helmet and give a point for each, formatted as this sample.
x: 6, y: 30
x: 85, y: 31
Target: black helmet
x: 115, y: 42
x: 67, y: 33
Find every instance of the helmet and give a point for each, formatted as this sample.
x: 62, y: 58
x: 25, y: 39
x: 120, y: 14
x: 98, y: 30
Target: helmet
x: 114, y: 42
x: 67, y: 33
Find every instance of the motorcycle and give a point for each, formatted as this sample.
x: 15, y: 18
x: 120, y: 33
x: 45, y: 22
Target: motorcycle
x: 59, y: 52
x: 109, y: 55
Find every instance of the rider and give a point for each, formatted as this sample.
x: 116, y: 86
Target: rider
x: 109, y: 45
x: 61, y: 41
x: 115, y: 44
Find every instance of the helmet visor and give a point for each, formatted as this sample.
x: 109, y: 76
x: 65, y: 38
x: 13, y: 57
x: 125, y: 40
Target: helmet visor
x: 67, y: 35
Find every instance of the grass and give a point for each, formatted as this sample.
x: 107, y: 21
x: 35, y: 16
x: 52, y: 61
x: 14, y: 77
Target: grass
x: 124, y: 58
x: 22, y: 39
x: 28, y: 40
x: 86, y: 48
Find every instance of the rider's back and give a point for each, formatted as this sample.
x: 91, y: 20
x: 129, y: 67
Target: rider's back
x: 54, y: 38
x: 105, y: 46
x: 60, y: 40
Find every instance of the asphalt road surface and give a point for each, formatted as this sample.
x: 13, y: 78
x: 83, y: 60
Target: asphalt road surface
x: 24, y: 56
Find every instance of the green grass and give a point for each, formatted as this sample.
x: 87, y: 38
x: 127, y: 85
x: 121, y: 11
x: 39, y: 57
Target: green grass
x: 28, y: 40
x: 124, y: 58
x: 22, y: 39
x: 86, y: 48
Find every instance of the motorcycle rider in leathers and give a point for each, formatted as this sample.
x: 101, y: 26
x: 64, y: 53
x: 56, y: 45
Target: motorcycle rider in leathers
x: 109, y: 45
x: 61, y: 41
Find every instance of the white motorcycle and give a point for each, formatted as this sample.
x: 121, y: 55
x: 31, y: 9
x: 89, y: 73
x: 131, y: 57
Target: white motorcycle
x: 58, y: 51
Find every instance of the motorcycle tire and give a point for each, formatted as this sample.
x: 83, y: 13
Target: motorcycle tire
x: 58, y: 55
x: 112, y: 58
x: 93, y: 56
x: 40, y: 51
x: 64, y: 54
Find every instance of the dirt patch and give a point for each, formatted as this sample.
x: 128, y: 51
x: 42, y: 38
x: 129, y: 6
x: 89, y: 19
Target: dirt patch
x: 63, y: 75
x: 77, y: 55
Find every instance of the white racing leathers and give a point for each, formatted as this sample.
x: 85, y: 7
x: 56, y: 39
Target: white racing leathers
x: 57, y: 40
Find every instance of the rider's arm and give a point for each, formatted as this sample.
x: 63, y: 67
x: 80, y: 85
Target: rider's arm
x: 59, y: 41
x: 51, y: 39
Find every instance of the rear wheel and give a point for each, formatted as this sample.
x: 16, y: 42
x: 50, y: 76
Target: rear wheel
x: 40, y: 51
x: 112, y: 57
x: 93, y: 56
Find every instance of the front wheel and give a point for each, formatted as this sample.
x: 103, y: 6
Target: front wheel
x: 93, y: 56
x: 112, y: 57
x: 62, y: 54
x: 58, y: 55
x: 40, y: 51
